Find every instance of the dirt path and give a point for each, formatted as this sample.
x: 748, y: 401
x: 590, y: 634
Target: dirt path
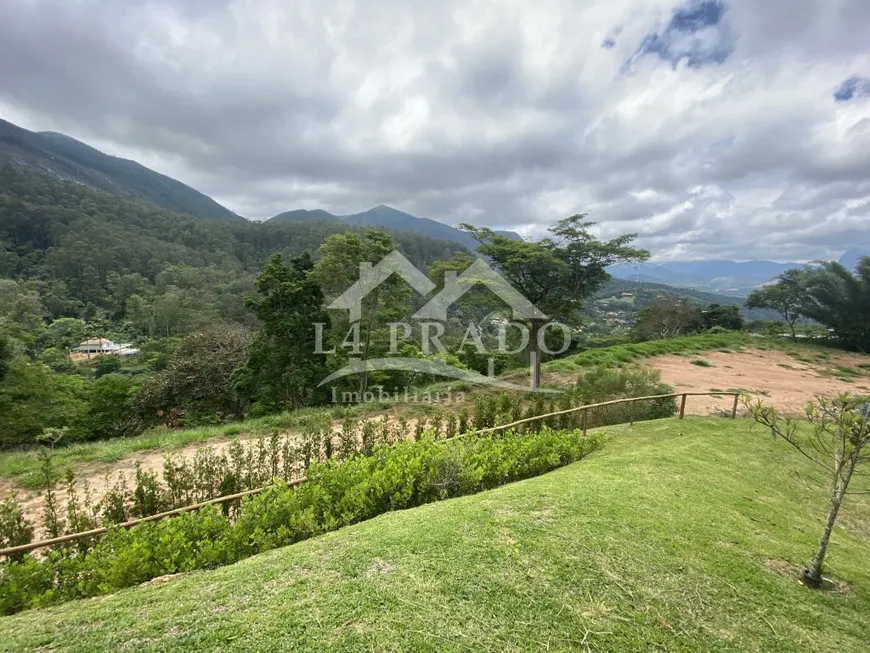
x: 787, y: 383
x: 100, y: 477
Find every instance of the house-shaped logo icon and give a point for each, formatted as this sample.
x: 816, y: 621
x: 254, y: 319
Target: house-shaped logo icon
x: 478, y: 272
x: 455, y: 286
x: 370, y: 277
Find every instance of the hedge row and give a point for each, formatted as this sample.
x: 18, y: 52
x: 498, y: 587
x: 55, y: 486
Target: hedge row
x: 338, y: 493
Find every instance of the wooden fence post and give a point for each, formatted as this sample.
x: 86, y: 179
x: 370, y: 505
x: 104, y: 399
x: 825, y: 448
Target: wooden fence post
x: 734, y: 410
x: 584, y: 421
x: 683, y: 406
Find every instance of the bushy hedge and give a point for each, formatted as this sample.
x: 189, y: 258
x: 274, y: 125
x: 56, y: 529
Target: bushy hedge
x: 601, y: 384
x: 338, y: 493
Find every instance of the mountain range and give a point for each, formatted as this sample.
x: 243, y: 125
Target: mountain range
x: 65, y: 158
x: 737, y: 278
x: 387, y: 217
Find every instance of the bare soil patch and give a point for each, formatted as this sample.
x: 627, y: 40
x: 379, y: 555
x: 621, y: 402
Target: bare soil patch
x: 788, y: 384
x: 789, y: 570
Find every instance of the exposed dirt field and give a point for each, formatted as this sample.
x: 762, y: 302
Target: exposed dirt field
x: 775, y: 375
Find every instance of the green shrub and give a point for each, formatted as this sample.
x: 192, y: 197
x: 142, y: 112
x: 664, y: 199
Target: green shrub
x: 700, y: 362
x: 337, y: 493
x: 15, y: 530
x: 601, y: 384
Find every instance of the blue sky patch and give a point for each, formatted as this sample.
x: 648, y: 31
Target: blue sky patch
x: 851, y: 88
x: 695, y: 34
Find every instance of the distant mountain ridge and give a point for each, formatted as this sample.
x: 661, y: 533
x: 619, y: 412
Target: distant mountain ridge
x: 737, y: 278
x: 850, y: 258
x: 387, y: 217
x: 63, y: 157
x: 729, y: 277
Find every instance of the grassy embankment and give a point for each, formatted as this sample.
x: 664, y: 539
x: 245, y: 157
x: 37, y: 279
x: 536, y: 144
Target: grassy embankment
x: 677, y: 536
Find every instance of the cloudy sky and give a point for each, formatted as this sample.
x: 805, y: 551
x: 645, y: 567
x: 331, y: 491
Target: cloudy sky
x: 733, y: 128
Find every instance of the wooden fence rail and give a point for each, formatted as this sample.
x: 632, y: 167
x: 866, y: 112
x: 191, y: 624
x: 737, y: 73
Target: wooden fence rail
x: 584, y: 410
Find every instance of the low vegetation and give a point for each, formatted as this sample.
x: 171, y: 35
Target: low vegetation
x: 617, y: 355
x: 677, y: 535
x: 25, y: 468
x: 338, y: 492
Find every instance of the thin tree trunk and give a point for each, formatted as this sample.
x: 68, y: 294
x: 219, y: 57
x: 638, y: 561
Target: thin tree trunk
x: 812, y: 577
x: 536, y: 352
x: 793, y: 335
x: 364, y: 375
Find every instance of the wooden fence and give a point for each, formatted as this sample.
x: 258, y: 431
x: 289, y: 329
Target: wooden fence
x: 584, y: 410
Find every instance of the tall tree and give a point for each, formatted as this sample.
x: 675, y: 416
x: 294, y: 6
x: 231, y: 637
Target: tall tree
x: 558, y: 273
x: 787, y: 297
x: 841, y: 301
x: 66, y: 333
x: 5, y: 355
x: 338, y: 268
x: 727, y: 317
x: 282, y: 368
x: 667, y: 317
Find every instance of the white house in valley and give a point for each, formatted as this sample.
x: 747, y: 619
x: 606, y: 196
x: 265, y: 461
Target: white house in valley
x: 102, y: 346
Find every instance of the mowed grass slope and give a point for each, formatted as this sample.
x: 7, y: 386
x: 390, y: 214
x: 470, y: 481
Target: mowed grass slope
x: 663, y: 541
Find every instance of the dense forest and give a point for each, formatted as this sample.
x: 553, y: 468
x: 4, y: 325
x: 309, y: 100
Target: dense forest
x: 79, y: 253
x: 77, y: 264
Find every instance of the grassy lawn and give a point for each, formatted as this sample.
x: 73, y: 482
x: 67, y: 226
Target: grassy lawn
x: 628, y: 353
x: 669, y: 539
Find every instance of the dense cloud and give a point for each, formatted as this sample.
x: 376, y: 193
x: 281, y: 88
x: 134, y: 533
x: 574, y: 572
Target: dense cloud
x: 732, y: 129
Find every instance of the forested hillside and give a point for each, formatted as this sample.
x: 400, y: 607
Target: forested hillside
x: 84, y: 254
x: 61, y: 157
x: 77, y: 264
x: 615, y: 307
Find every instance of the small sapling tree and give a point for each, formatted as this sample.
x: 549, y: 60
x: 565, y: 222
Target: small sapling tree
x: 837, y: 440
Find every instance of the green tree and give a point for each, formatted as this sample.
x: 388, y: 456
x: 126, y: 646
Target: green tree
x: 141, y: 314
x: 667, y: 317
x: 198, y: 378
x: 5, y: 355
x: 338, y: 267
x: 110, y: 408
x: 66, y: 333
x: 841, y: 301
x: 107, y: 364
x: 282, y: 368
x: 32, y: 398
x: 557, y: 273
x: 787, y: 297
x: 727, y: 317
x: 58, y: 360
x: 837, y: 442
